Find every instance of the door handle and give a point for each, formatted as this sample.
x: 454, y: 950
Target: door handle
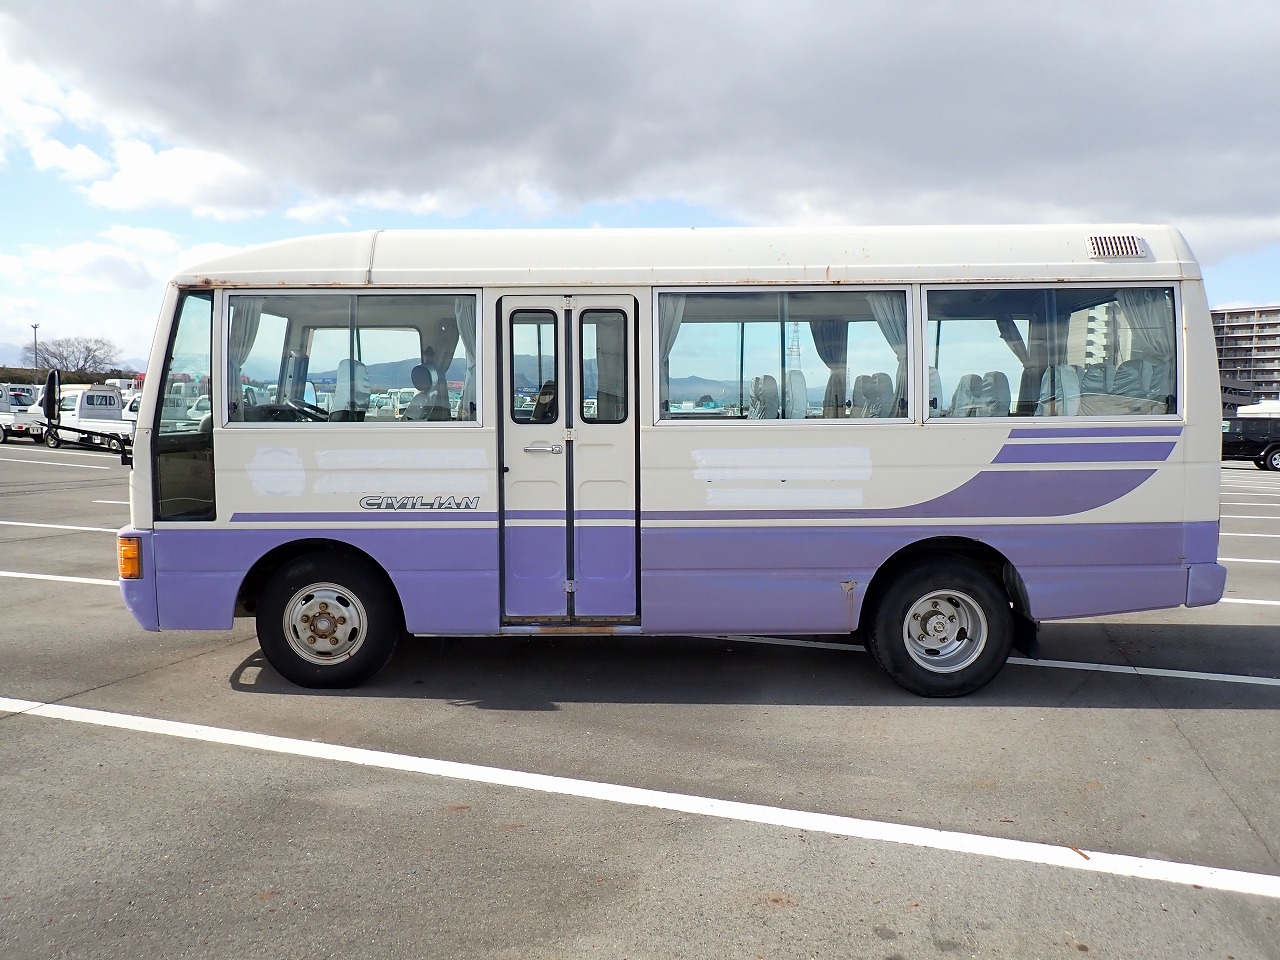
x: 542, y: 446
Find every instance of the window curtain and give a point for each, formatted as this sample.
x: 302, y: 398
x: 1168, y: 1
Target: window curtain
x: 1150, y: 320
x: 890, y: 311
x: 670, y: 316
x: 464, y: 310
x: 246, y: 315
x: 831, y: 338
x: 437, y: 354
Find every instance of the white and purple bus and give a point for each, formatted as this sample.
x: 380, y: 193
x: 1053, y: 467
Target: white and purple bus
x: 925, y: 439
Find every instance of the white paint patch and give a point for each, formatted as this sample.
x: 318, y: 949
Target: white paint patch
x: 1023, y: 851
x: 54, y: 463
x: 56, y: 526
x: 49, y: 576
x: 823, y: 464
x: 121, y: 503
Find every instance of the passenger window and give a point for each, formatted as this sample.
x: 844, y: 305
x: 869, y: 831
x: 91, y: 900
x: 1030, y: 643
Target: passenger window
x: 334, y: 358
x: 1051, y: 352
x: 783, y: 355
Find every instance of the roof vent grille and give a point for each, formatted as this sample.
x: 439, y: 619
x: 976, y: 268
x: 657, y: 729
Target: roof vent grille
x: 1117, y: 246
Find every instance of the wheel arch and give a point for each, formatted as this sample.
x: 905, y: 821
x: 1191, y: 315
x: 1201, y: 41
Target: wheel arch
x: 257, y: 577
x: 982, y: 555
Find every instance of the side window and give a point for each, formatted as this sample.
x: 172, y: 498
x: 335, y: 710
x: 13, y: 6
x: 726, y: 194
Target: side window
x: 535, y: 386
x: 604, y: 366
x: 783, y: 355
x: 309, y: 358
x: 183, y: 447
x: 1032, y: 352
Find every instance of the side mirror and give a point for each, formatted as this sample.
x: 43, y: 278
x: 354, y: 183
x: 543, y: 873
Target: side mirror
x: 52, y: 403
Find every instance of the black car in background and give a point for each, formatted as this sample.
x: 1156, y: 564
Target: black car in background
x: 1252, y: 438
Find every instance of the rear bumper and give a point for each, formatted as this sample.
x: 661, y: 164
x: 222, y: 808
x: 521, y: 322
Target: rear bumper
x: 1205, y: 583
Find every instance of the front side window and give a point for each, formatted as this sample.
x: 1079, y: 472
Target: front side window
x: 783, y: 355
x: 338, y: 358
x: 184, y: 440
x: 1035, y: 352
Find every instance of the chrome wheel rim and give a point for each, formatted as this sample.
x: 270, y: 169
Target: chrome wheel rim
x: 945, y: 631
x: 325, y: 623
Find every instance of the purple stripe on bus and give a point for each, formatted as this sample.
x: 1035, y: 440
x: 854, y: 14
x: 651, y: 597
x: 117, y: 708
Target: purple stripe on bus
x: 1083, y: 452
x: 1049, y: 433
x: 991, y: 493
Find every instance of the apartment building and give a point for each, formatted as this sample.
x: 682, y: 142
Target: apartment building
x: 1248, y: 340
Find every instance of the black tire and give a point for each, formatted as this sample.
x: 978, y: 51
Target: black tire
x: 346, y: 609
x: 51, y: 439
x: 1260, y: 464
x: 115, y: 444
x: 4, y: 435
x: 942, y: 628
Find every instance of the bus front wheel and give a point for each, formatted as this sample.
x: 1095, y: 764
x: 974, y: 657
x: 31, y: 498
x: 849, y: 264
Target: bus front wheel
x: 942, y: 628
x: 325, y: 622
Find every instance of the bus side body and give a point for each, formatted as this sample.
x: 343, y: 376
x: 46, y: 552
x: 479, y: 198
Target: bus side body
x: 1019, y: 429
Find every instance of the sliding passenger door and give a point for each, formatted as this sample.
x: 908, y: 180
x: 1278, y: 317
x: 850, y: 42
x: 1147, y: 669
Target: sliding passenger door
x: 569, y: 482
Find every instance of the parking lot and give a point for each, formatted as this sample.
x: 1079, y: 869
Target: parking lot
x: 167, y: 795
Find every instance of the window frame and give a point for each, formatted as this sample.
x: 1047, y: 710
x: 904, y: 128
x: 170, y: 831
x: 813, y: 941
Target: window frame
x: 1179, y: 362
x: 914, y: 346
x: 222, y: 327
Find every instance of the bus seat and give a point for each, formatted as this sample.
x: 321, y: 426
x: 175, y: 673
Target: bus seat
x: 967, y: 399
x: 885, y: 393
x: 544, y: 408
x: 424, y: 406
x: 797, y: 395
x: 351, y: 392
x: 833, y: 403
x: 764, y: 399
x: 862, y: 389
x: 995, y: 394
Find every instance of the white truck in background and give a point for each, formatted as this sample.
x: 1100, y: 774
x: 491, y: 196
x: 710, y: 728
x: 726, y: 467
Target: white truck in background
x: 19, y: 412
x: 90, y: 414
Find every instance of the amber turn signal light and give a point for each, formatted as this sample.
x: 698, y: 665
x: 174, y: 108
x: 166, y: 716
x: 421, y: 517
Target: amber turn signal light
x: 129, y: 557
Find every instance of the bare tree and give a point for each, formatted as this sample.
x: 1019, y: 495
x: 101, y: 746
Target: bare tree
x: 75, y: 355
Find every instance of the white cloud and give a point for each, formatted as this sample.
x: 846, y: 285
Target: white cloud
x: 209, y: 184
x: 78, y: 162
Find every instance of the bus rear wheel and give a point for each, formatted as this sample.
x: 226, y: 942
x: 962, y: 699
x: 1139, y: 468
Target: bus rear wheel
x: 326, y: 622
x: 942, y: 628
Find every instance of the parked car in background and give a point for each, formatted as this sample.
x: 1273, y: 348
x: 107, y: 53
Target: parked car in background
x: 1252, y: 438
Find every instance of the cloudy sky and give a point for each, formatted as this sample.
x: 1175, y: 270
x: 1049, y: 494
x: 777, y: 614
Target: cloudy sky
x: 137, y: 135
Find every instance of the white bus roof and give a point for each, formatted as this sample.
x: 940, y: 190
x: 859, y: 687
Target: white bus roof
x: 708, y: 256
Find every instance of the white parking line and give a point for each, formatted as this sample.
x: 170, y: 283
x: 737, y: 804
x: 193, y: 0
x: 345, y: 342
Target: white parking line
x: 1241, y: 516
x: 1245, y: 560
x: 1051, y: 664
x: 56, y: 526
x: 1269, y: 536
x: 55, y: 463
x: 123, y: 503
x: 49, y: 576
x: 1046, y: 854
x: 1256, y: 603
x: 1240, y: 503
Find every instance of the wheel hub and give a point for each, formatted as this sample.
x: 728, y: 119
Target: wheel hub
x: 945, y: 631
x: 324, y: 623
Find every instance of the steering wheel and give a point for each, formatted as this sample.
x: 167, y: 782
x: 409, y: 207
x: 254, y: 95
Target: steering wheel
x: 309, y: 410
